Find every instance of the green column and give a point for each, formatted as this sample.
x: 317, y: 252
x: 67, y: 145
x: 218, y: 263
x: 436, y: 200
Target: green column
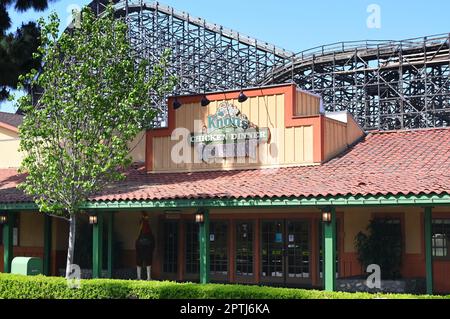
x: 428, y: 250
x: 47, y: 244
x: 8, y: 243
x: 329, y: 230
x: 110, y: 244
x: 97, y: 245
x: 204, y: 249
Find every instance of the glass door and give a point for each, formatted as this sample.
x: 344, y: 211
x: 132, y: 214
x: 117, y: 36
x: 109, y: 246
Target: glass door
x: 298, y: 252
x: 272, y: 251
x: 170, y: 261
x: 244, y: 251
x: 218, y: 247
x: 285, y: 251
x: 192, y: 251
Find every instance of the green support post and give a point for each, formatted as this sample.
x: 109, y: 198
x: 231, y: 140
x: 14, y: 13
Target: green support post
x: 330, y: 252
x: 428, y: 250
x: 204, y: 248
x: 8, y: 243
x: 47, y: 244
x: 110, y: 244
x: 97, y: 253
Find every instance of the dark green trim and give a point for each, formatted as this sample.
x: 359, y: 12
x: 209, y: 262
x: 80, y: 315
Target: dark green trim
x: 8, y: 243
x: 330, y: 252
x: 428, y: 249
x: 204, y: 248
x: 388, y: 200
x: 110, y: 244
x: 47, y: 244
x: 97, y: 247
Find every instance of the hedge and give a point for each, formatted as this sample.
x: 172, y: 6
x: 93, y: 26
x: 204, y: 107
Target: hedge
x: 41, y: 287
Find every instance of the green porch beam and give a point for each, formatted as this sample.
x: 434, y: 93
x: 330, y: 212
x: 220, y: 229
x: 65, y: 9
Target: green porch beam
x: 110, y: 244
x: 329, y: 230
x: 400, y: 200
x: 382, y: 200
x: 97, y: 245
x: 8, y: 253
x: 47, y: 244
x: 428, y: 249
x: 204, y: 248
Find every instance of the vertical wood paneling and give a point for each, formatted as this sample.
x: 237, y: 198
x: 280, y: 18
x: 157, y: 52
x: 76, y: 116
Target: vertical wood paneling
x: 308, y: 144
x: 299, y: 144
x: 335, y: 137
x: 293, y: 145
x: 307, y: 105
x: 280, y: 137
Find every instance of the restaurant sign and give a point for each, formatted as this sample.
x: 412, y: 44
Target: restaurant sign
x: 228, y: 133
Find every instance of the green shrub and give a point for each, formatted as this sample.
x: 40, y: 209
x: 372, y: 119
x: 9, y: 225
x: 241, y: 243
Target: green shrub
x: 41, y: 287
x: 382, y: 245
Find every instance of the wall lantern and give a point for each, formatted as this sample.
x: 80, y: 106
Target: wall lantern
x: 93, y: 219
x: 199, y: 217
x: 3, y: 219
x: 326, y: 217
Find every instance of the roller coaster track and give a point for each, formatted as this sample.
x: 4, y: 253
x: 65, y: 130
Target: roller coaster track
x: 384, y: 84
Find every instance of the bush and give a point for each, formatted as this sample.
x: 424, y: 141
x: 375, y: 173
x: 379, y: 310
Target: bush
x: 41, y: 287
x: 382, y: 245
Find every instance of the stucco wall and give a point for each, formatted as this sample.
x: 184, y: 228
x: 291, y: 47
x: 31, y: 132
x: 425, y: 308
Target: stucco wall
x: 9, y: 146
x: 127, y: 227
x: 357, y: 219
x: 31, y: 230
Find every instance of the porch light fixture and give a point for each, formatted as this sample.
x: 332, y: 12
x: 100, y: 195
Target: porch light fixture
x: 242, y: 97
x: 3, y: 219
x: 176, y: 104
x: 93, y: 219
x: 199, y: 217
x: 326, y: 217
x: 204, y: 102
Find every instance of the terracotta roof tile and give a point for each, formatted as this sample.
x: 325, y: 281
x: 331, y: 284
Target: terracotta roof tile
x: 11, y: 119
x: 402, y: 162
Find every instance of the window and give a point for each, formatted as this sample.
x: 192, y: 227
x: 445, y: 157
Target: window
x: 244, y: 248
x: 440, y: 237
x: 170, y: 246
x: 218, y: 247
x: 192, y: 248
x: 272, y: 248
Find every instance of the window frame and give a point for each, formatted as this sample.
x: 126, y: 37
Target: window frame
x: 447, y: 257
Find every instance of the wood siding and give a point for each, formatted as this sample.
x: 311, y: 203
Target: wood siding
x: 306, y: 104
x: 338, y: 136
x: 287, y: 146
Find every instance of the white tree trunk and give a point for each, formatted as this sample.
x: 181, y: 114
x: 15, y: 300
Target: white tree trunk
x: 71, y: 248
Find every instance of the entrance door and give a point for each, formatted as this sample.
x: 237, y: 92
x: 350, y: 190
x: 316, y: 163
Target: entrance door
x: 285, y: 252
x: 218, y: 247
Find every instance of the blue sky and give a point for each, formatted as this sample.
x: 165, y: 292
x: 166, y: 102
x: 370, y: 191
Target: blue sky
x: 297, y: 24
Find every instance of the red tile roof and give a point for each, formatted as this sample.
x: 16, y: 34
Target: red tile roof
x: 11, y: 119
x: 384, y: 163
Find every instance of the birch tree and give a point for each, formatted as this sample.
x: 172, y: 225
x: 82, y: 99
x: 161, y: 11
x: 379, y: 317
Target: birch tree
x: 96, y: 98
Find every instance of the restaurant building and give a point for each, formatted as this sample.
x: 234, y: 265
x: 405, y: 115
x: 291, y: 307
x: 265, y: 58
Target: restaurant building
x: 258, y: 186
